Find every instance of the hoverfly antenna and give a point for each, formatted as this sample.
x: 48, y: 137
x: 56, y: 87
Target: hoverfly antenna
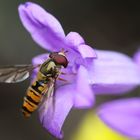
x: 66, y: 51
x: 62, y: 50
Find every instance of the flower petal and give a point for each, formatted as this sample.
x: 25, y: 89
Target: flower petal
x: 86, y: 51
x: 113, y: 72
x: 77, y: 43
x: 84, y: 98
x: 74, y: 39
x: 44, y: 28
x: 40, y: 59
x: 54, y: 115
x: 123, y: 116
x: 137, y: 57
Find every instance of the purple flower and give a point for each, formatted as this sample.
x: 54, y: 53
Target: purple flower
x: 123, y: 115
x: 89, y: 72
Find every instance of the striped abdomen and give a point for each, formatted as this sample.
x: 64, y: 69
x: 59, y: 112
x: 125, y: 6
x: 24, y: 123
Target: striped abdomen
x: 33, y: 97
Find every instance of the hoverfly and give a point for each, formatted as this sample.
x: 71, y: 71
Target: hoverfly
x: 42, y: 85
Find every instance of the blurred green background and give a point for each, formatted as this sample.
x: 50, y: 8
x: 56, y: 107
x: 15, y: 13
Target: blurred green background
x: 110, y: 25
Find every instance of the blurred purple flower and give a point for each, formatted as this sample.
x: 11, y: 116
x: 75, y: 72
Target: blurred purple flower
x: 87, y: 74
x: 123, y: 115
x: 137, y: 58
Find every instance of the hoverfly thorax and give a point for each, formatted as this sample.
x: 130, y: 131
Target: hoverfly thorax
x: 52, y: 66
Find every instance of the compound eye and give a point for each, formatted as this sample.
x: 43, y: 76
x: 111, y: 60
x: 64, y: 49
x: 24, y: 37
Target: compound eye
x: 61, y: 60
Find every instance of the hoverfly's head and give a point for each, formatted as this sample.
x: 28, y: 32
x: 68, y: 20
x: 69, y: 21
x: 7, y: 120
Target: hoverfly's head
x: 59, y: 58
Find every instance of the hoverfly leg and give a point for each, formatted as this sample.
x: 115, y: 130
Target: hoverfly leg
x: 61, y: 79
x: 63, y: 73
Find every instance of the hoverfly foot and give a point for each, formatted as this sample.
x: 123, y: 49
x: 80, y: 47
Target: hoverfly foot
x: 63, y: 73
x: 61, y: 79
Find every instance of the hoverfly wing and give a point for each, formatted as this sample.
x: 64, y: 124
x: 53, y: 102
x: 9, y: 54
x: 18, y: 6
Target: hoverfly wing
x: 16, y: 73
x: 48, y: 102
